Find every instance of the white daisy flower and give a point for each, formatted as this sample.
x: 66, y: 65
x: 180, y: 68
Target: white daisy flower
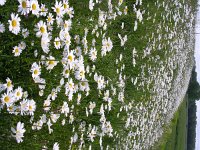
x: 78, y: 51
x: 36, y: 70
x: 67, y: 24
x: 31, y: 106
x: 50, y: 19
x: 7, y: 98
x: 2, y: 28
x: 18, y: 93
x: 2, y: 2
x: 57, y: 43
x: 41, y: 28
x: 66, y: 72
x: 22, y: 45
x: 24, y: 7
x: 55, y: 117
x: 56, y: 146
x: 70, y: 59
x: 106, y: 46
x: 65, y: 5
x: 58, y: 9
x: 8, y: 85
x: 93, y: 54
x: 51, y: 63
x: 14, y: 24
x: 70, y: 12
x: 91, y: 5
x: 19, y: 132
x: 34, y: 6
x: 43, y: 10
x: 17, y: 51
x: 23, y: 107
x: 45, y: 43
x: 25, y: 33
x: 80, y: 73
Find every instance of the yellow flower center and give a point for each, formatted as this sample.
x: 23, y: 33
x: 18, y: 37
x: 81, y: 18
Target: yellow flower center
x: 9, y: 84
x: 30, y: 107
x: 10, y: 108
x: 49, y: 19
x: 57, y: 42
x: 24, y: 4
x: 82, y: 73
x: 65, y: 6
x: 108, y: 44
x: 18, y: 93
x: 16, y: 50
x: 51, y: 62
x: 42, y: 29
x: 57, y: 10
x: 70, y: 85
x: 6, y: 99
x: 14, y: 23
x: 70, y: 58
x: 67, y: 71
x: 65, y: 25
x: 83, y: 83
x: 34, y: 6
x: 35, y: 72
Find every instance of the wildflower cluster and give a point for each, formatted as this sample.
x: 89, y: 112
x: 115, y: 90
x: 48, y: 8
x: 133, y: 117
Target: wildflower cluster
x: 91, y: 74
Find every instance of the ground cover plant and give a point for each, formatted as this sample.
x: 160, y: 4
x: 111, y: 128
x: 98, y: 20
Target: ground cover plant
x: 92, y: 74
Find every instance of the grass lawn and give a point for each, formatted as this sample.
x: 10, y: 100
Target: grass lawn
x: 102, y: 77
x: 174, y: 137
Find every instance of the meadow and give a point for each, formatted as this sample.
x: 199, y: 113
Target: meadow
x: 92, y: 74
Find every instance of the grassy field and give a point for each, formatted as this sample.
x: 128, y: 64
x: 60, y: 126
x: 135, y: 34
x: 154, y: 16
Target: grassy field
x: 117, y: 78
x: 175, y: 134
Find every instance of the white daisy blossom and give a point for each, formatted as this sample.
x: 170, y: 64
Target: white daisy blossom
x: 123, y: 40
x: 43, y: 10
x: 45, y: 43
x: 66, y: 72
x: 41, y: 28
x: 18, y: 93
x: 67, y: 24
x: 80, y: 73
x: 57, y: 43
x: 58, y: 9
x: 25, y: 33
x: 91, y: 5
x: 36, y: 70
x: 106, y: 46
x: 14, y: 24
x: 93, y: 54
x: 56, y: 146
x: 24, y: 107
x: 8, y: 85
x: 34, y: 7
x: 24, y: 7
x: 17, y: 51
x: 31, y: 106
x: 19, y: 132
x: 2, y: 2
x: 7, y: 98
x: 51, y: 63
x: 54, y: 117
x: 2, y: 28
x: 22, y: 45
x: 65, y: 109
x: 50, y: 19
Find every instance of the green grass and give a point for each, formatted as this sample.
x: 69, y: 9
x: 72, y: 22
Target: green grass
x: 140, y: 96
x: 175, y: 134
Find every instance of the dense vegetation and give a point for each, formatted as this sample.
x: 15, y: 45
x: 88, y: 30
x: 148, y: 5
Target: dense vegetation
x: 92, y: 74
